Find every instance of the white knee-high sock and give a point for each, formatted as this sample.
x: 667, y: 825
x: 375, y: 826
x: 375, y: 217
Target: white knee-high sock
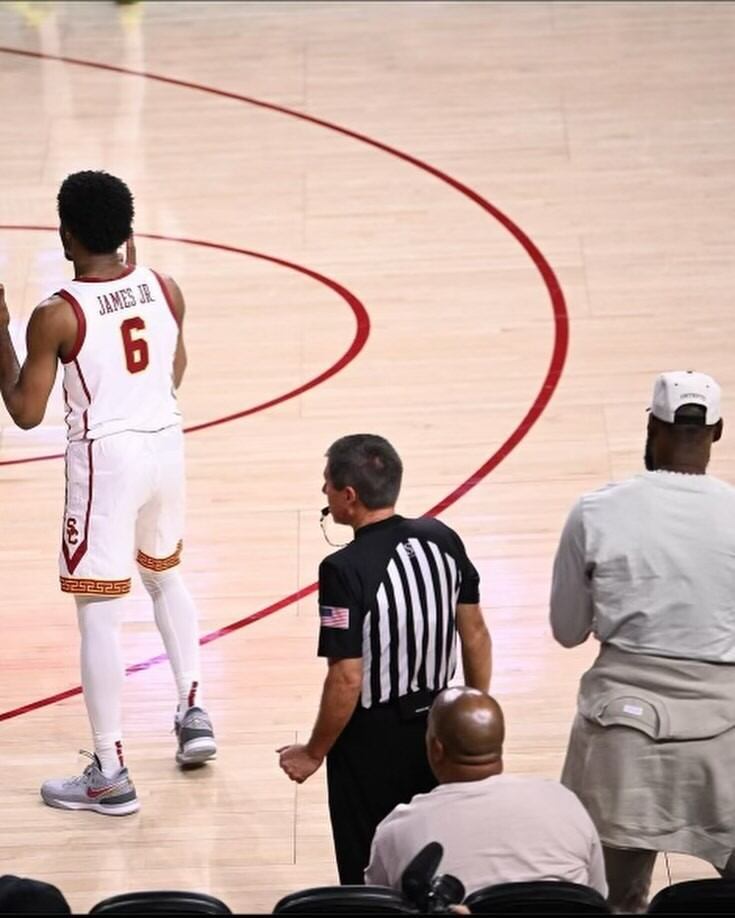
x: 177, y: 620
x: 103, y: 673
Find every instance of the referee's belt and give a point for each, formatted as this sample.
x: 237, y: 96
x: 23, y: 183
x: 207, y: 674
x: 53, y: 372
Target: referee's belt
x: 412, y: 705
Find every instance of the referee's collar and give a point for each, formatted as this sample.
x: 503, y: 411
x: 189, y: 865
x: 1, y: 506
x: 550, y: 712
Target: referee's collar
x: 381, y: 524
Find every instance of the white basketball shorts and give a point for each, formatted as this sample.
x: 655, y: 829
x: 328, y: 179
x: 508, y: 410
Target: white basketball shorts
x: 124, y: 502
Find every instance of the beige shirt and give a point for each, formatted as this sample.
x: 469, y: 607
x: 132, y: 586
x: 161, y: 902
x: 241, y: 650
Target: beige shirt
x: 503, y: 829
x: 648, y: 565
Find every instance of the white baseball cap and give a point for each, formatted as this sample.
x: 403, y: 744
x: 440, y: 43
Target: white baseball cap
x: 685, y: 387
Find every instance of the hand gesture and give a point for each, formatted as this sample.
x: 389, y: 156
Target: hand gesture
x: 297, y: 762
x: 130, y: 254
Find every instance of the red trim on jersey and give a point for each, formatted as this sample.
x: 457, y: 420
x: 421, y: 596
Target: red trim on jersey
x: 73, y: 560
x: 160, y: 564
x: 167, y: 294
x: 68, y: 412
x: 66, y: 502
x: 128, y: 269
x: 81, y: 325
x: 80, y: 586
x: 85, y: 415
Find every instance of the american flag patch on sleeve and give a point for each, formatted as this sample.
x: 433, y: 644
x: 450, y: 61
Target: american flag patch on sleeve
x: 334, y: 617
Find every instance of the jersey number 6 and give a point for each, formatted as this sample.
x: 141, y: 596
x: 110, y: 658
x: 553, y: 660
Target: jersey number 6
x: 136, y: 349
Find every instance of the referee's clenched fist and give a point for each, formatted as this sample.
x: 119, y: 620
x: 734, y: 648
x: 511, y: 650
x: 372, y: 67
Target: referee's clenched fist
x: 297, y: 762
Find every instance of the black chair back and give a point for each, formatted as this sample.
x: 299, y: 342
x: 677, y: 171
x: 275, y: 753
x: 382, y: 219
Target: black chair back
x: 345, y: 900
x: 24, y: 896
x: 543, y: 897
x: 164, y: 902
x: 699, y: 897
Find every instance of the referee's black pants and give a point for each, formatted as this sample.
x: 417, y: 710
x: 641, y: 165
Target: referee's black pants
x: 378, y: 762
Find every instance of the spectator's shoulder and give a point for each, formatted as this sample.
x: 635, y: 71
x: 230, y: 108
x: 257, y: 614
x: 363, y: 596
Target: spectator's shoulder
x: 405, y: 812
x: 724, y: 487
x: 397, y: 814
x: 548, y: 788
x: 612, y: 491
x: 566, y: 799
x: 613, y: 487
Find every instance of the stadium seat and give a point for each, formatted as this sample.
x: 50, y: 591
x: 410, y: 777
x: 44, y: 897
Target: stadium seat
x: 698, y: 897
x: 345, y: 900
x: 544, y: 897
x: 164, y: 902
x: 24, y: 896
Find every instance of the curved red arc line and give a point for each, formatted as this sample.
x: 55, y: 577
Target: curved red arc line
x: 551, y: 380
x: 515, y: 230
x: 553, y: 374
x: 362, y: 330
x: 159, y: 658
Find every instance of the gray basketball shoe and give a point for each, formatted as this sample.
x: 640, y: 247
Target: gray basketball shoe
x: 196, y: 737
x: 91, y: 790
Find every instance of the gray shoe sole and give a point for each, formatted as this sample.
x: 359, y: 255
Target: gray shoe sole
x: 197, y: 751
x: 107, y: 809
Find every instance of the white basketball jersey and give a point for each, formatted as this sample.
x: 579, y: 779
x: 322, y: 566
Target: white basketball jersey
x: 119, y: 375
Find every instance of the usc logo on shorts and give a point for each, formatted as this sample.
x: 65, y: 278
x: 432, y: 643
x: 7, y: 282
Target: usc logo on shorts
x: 72, y: 533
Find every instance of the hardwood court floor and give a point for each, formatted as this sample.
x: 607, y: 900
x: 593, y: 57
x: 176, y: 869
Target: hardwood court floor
x: 603, y: 131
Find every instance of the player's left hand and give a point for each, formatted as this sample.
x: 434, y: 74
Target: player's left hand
x: 297, y: 762
x: 130, y: 253
x: 4, y: 314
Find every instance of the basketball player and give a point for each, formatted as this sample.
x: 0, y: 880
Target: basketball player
x: 117, y: 331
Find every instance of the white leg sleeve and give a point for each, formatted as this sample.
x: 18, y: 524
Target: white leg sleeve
x: 103, y: 673
x: 177, y: 621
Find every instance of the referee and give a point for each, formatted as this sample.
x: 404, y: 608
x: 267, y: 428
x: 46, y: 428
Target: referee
x: 391, y: 604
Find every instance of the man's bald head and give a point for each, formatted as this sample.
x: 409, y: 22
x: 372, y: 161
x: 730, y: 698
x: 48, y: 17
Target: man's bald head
x: 465, y: 735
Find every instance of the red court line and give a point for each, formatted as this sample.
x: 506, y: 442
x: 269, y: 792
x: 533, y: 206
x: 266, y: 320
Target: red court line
x: 362, y: 330
x: 551, y: 380
x: 159, y: 658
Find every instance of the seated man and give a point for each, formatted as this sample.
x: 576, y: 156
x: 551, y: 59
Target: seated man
x: 494, y: 828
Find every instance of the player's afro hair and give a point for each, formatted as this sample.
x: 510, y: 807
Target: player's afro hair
x: 97, y: 209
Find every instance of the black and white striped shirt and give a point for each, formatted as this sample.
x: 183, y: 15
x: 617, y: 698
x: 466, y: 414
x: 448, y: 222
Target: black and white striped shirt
x: 390, y: 597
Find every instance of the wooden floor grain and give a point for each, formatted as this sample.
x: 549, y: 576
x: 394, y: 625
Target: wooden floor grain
x: 603, y: 131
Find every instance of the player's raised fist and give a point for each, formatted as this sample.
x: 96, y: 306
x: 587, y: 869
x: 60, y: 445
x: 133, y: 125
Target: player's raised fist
x: 130, y: 255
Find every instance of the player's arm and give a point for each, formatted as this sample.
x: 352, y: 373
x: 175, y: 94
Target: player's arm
x: 176, y: 301
x: 25, y: 389
x: 476, y: 645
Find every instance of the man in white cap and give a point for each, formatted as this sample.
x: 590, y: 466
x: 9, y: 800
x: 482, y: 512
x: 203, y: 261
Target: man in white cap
x: 647, y: 565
